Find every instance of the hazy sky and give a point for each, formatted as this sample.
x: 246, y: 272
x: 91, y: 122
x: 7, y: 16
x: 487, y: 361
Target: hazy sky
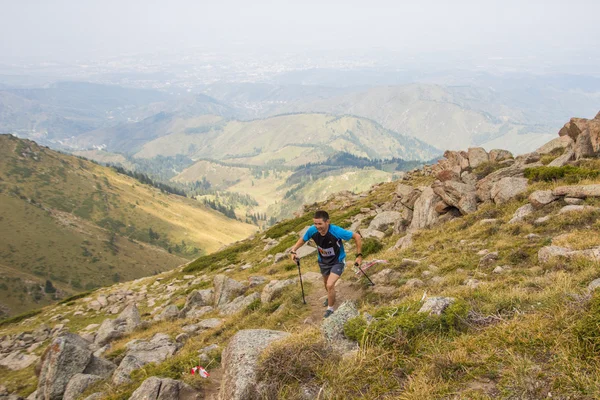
x: 65, y: 29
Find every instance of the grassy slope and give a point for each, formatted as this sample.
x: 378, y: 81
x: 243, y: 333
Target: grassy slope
x: 59, y: 214
x: 517, y: 335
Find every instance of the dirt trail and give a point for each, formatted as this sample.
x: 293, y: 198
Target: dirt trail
x: 346, y: 289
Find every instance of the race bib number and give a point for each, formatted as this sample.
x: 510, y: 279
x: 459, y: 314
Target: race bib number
x: 326, y: 252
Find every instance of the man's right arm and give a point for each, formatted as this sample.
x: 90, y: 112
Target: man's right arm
x: 295, y: 247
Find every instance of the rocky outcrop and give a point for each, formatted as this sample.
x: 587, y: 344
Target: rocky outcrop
x: 424, y: 214
x: 66, y: 356
x: 540, y: 198
x: 578, y: 191
x: 385, y: 220
x: 521, y: 213
x: 140, y: 353
x: 458, y: 195
x: 226, y: 289
x: 586, y: 135
x: 274, y: 289
x: 240, y: 360
x: 155, y: 388
x: 125, y: 323
x: 547, y: 253
x: 508, y: 188
x: 239, y: 304
x: 79, y: 384
x: 333, y: 327
x: 477, y: 156
x: 197, y: 299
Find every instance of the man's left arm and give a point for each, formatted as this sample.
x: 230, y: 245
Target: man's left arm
x: 358, y: 240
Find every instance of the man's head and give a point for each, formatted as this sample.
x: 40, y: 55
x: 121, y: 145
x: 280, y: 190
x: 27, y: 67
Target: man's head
x: 321, y: 220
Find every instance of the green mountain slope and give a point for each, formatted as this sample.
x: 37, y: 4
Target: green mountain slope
x: 83, y: 225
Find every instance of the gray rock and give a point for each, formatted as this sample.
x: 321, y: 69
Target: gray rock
x: 240, y: 360
x: 368, y: 233
x: 577, y: 208
x: 79, y: 384
x: 385, y: 220
x: 226, y: 289
x: 508, y: 188
x: 386, y: 276
x: 67, y: 355
x: 256, y: 280
x: 477, y: 156
x: 546, y: 253
x: 561, y: 142
x: 404, y: 242
x: 458, y: 195
x: 279, y: 257
x: 100, y: 367
x: 196, y: 313
x: 484, y: 186
x: 424, y: 214
x: 497, y: 155
x: 540, y: 198
x: 305, y: 251
x: 436, y: 305
x: 168, y: 314
x: 573, y: 201
x: 333, y: 327
x: 197, y: 299
x: 472, y: 283
x: 155, y: 388
x: 95, y: 396
x: 125, y: 323
x: 210, y: 323
x: 578, y: 191
x: 564, y: 159
x: 595, y: 284
x: 488, y: 259
x: 17, y: 360
x: 140, y: 353
x: 521, y: 213
x: 239, y: 304
x: 542, y: 220
x: 414, y: 282
x: 274, y: 288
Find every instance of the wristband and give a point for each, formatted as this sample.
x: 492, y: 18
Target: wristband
x: 292, y: 252
x: 359, y: 255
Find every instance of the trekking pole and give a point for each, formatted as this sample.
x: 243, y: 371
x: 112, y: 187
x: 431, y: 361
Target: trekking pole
x: 300, y: 274
x: 363, y: 272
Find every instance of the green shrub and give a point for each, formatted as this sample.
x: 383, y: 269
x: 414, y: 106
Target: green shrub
x: 213, y: 261
x: 568, y: 173
x: 20, y: 317
x: 290, y: 225
x: 371, y: 246
x: 74, y: 297
x: 586, y: 329
x: 397, y: 327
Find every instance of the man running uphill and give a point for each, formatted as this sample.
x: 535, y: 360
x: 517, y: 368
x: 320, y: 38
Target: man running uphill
x: 332, y: 257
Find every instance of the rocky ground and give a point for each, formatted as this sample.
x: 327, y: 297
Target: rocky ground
x: 491, y: 271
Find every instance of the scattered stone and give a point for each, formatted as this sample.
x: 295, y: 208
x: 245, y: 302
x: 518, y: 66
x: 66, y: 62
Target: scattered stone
x: 404, y: 242
x: 226, y: 289
x: 305, y: 251
x: 578, y: 191
x: 279, y: 257
x: 542, y: 220
x: 385, y: 220
x: 274, y: 288
x: 488, y: 259
x: 573, y: 201
x: 521, y: 213
x: 199, y: 312
x: 477, y: 156
x: 407, y: 262
x: 488, y: 221
x: 436, y: 305
x: 532, y: 237
x: 182, y: 338
x: 239, y: 304
x: 256, y: 280
x: 17, y: 360
x: 155, y: 388
x: 240, y: 360
x: 540, y: 198
x: 472, y: 283
x: 508, y: 188
x: 577, y: 208
x: 437, y: 280
x: 170, y: 313
x: 210, y: 323
x: 333, y: 327
x: 595, y: 284
x: 498, y: 155
x: 414, y: 283
x: 424, y: 214
x: 498, y: 270
x: 79, y: 384
x: 197, y: 299
x: 385, y: 277
x: 140, y: 353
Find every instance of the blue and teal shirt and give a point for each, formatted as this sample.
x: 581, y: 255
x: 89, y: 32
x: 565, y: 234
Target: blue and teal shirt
x: 330, y: 245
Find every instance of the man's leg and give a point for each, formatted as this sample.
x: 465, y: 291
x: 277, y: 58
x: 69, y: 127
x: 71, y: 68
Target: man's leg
x: 330, y: 286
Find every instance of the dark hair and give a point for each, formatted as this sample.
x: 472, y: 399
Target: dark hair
x: 322, y: 215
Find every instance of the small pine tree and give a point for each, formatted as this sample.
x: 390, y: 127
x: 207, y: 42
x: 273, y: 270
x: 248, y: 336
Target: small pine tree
x: 49, y: 287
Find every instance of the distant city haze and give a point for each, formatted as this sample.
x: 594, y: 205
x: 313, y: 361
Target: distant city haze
x: 66, y: 30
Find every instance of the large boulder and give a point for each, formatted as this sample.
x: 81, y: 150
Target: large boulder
x: 79, y: 384
x: 561, y: 142
x: 508, y: 188
x: 125, y: 323
x: 240, y: 360
x: 498, y: 155
x: 578, y: 191
x: 274, y: 289
x: 140, y: 353
x: 408, y: 195
x: 540, y: 198
x: 458, y: 195
x: 436, y: 305
x: 226, y: 289
x: 305, y: 251
x: 565, y: 158
x: 67, y: 355
x: 484, y: 186
x: 197, y: 299
x: 385, y: 220
x: 333, y: 327
x: 477, y: 156
x: 424, y: 214
x: 155, y: 388
x: 18, y: 360
x: 239, y: 304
